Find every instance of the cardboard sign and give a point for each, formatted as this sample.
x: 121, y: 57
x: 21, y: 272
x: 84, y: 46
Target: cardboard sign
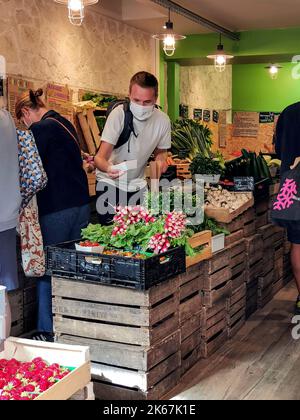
x: 243, y: 183
x: 246, y: 124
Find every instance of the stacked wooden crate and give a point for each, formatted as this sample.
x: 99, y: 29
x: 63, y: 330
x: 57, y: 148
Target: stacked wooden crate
x: 287, y: 266
x: 261, y: 213
x: 190, y: 316
x: 235, y: 229
x: 134, y: 336
x: 278, y: 259
x: 217, y: 289
x: 249, y: 223
x: 236, y: 304
x: 267, y: 277
x: 236, y: 310
x: 254, y: 255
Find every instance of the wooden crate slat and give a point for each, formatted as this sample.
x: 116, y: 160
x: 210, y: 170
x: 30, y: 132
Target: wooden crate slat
x: 234, y: 237
x: 208, y: 348
x: 190, y: 307
x: 210, y: 298
x: 128, y: 356
x: 214, y: 280
x: 190, y: 325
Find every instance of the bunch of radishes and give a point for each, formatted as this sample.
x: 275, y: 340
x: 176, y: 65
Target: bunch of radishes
x: 26, y: 381
x: 126, y: 216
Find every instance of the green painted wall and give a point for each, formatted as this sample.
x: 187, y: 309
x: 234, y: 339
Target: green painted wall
x: 252, y: 43
x: 173, y: 90
x: 254, y: 90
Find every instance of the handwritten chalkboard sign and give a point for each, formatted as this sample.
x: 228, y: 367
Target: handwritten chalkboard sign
x: 243, y: 183
x: 215, y: 117
x: 206, y: 115
x: 198, y: 114
x: 266, y: 117
x: 183, y: 111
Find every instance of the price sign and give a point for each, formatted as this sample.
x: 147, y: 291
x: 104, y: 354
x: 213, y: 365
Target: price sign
x: 243, y: 183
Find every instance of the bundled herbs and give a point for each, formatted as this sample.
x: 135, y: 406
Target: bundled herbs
x: 205, y: 166
x: 102, y: 101
x: 190, y: 138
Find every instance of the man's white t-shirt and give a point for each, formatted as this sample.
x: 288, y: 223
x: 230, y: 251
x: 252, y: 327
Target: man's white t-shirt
x: 154, y: 133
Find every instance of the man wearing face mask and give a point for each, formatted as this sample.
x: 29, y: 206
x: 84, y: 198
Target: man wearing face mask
x: 151, y: 133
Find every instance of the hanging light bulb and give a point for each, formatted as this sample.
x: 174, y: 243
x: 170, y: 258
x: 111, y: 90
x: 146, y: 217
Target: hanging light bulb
x: 273, y: 70
x: 169, y: 37
x: 76, y: 12
x: 76, y: 9
x: 220, y: 57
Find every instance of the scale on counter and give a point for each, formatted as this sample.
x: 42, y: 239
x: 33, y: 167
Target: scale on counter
x: 2, y: 317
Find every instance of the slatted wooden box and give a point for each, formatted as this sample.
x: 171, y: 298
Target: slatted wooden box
x: 190, y: 287
x: 134, y: 336
x: 214, y: 331
x: 216, y: 273
x: 249, y: 222
x: 191, y: 338
x: 236, y: 310
x: 251, y: 297
x: 238, y: 259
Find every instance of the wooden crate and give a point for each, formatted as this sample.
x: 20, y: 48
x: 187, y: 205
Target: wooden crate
x: 234, y: 237
x: 197, y: 240
x: 16, y: 302
x: 254, y: 248
x: 72, y: 356
x: 144, y: 382
x: 115, y: 314
x: 190, y: 338
x: 265, y: 280
x: 268, y: 261
x: 237, y: 253
x: 253, y: 271
x: 190, y: 286
x: 90, y: 130
x: 251, y: 297
x: 265, y: 295
x: 236, y: 310
x: 17, y: 328
x: 92, y: 183
x: 261, y: 220
x: 214, y: 331
x: 85, y: 394
x: 183, y: 171
x: 261, y: 207
x: 249, y: 222
x: 224, y: 215
x: 110, y: 392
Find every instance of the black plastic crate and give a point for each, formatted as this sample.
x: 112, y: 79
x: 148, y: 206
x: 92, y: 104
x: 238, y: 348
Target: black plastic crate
x: 64, y: 261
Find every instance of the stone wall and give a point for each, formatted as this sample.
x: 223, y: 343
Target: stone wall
x: 39, y: 43
x: 202, y: 87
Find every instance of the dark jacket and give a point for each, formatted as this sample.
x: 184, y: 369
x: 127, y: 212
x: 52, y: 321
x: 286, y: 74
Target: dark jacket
x: 61, y: 156
x: 287, y: 139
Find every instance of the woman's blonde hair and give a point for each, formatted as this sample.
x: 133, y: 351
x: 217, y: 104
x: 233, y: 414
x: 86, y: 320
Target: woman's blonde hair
x: 30, y: 99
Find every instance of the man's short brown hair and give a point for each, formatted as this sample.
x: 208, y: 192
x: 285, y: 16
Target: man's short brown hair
x: 144, y: 80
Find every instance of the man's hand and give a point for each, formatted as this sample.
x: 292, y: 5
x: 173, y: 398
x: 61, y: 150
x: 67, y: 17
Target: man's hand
x: 113, y: 174
x: 297, y: 161
x: 161, y: 159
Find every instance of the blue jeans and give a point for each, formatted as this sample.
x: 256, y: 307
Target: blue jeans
x: 63, y: 226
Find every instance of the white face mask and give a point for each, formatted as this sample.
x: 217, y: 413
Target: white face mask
x: 141, y: 113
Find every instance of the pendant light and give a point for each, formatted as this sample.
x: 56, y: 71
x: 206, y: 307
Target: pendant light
x: 76, y: 9
x: 220, y: 57
x: 273, y: 70
x: 169, y: 37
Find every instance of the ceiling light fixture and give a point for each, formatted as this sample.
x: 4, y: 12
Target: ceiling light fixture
x: 273, y: 70
x: 76, y: 9
x: 169, y: 37
x: 220, y: 57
